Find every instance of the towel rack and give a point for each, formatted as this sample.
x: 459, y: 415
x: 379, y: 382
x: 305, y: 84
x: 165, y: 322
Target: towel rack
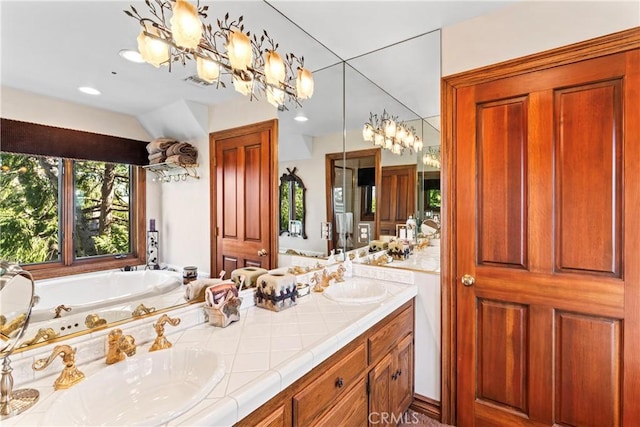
x: 168, y: 171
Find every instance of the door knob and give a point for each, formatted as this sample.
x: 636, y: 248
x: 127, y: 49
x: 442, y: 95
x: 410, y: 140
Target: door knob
x: 262, y: 252
x: 468, y: 280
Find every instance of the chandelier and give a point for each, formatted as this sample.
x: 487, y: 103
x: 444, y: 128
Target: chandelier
x: 175, y: 33
x: 387, y: 132
x: 431, y: 156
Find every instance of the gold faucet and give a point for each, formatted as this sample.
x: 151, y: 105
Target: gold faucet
x: 70, y: 374
x: 141, y: 310
x: 161, y: 341
x: 338, y: 275
x: 59, y: 309
x: 94, y: 321
x: 119, y: 346
x: 42, y: 334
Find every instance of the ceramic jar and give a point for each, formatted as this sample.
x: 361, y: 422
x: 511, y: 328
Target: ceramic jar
x: 276, y: 291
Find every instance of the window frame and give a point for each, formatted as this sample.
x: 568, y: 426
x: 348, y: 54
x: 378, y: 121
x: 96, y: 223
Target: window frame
x: 68, y: 264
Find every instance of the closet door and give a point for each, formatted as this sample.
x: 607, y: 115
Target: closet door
x: 548, y: 246
x: 397, y: 197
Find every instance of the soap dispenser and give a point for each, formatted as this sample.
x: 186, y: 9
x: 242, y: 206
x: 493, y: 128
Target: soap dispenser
x: 332, y: 257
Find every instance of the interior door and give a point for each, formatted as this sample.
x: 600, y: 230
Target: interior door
x: 244, y: 220
x: 397, y: 197
x: 548, y: 246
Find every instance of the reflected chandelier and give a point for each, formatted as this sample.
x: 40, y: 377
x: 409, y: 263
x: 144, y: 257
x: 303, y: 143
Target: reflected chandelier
x: 387, y: 132
x: 431, y: 156
x: 174, y: 32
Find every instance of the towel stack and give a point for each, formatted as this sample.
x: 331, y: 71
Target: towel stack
x: 171, y: 151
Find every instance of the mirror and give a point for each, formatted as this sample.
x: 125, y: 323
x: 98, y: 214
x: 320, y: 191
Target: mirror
x: 336, y: 112
x: 292, y: 205
x: 16, y: 295
x: 16, y: 300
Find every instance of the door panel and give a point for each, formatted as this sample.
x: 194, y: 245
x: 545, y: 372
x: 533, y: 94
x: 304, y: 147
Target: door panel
x: 542, y: 160
x: 502, y: 343
x: 397, y: 196
x: 588, y: 370
x: 589, y: 177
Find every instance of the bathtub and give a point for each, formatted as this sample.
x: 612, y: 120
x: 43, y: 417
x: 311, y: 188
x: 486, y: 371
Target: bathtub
x: 88, y: 292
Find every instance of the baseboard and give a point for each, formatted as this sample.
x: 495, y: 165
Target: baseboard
x: 426, y: 406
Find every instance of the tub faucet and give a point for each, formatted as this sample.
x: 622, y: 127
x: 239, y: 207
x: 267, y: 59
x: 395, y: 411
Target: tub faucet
x: 70, y: 374
x: 161, y: 341
x: 119, y: 346
x: 141, y: 310
x: 59, y: 309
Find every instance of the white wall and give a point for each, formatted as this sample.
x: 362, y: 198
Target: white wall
x: 30, y: 107
x: 528, y: 27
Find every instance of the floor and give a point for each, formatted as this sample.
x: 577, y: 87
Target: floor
x: 412, y: 418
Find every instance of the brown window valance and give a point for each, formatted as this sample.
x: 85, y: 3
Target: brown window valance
x: 32, y: 138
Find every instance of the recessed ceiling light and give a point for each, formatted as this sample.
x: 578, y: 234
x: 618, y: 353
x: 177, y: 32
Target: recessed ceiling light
x: 131, y: 55
x: 300, y: 117
x: 89, y: 90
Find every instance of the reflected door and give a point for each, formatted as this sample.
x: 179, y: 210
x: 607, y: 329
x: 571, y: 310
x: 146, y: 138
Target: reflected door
x: 243, y: 170
x: 548, y: 278
x: 397, y: 197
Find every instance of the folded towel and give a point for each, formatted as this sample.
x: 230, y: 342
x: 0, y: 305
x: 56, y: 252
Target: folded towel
x: 182, y: 159
x: 182, y: 148
x: 158, y: 157
x: 159, y: 144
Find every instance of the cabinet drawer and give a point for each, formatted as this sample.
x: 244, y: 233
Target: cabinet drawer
x: 350, y: 411
x: 338, y: 378
x: 383, y: 340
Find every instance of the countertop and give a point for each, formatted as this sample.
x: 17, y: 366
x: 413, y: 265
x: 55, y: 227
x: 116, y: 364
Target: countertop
x: 264, y: 352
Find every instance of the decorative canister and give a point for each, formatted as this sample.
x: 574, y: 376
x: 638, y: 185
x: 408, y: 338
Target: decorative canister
x: 377, y: 245
x: 251, y: 275
x: 399, y: 250
x: 189, y: 274
x: 276, y: 291
x: 216, y: 293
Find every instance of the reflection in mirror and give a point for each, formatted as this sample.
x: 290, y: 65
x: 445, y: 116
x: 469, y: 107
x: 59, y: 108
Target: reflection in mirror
x: 16, y: 300
x: 292, y: 205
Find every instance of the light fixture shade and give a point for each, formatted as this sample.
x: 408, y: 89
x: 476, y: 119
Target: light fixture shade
x: 208, y: 70
x: 275, y: 96
x: 239, y: 50
x: 409, y: 139
x: 186, y: 26
x: 378, y: 139
x: 274, y: 70
x: 367, y: 132
x: 153, y: 51
x: 388, y: 143
x: 243, y: 85
x: 304, y: 84
x: 418, y: 144
x: 389, y: 128
x: 401, y: 133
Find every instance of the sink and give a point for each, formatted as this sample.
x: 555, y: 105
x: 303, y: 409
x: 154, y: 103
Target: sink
x: 147, y: 389
x: 356, y: 291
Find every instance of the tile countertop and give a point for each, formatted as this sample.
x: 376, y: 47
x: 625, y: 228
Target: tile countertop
x: 264, y: 352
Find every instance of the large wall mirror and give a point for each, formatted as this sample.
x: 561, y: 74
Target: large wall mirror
x: 345, y: 95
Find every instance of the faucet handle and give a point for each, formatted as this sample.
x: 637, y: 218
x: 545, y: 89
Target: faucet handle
x: 119, y: 346
x: 161, y: 342
x: 70, y: 375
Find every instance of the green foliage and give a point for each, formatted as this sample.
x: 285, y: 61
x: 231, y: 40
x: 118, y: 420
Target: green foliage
x: 29, y: 214
x: 31, y: 208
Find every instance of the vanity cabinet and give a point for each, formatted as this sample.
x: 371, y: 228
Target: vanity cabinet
x: 367, y: 382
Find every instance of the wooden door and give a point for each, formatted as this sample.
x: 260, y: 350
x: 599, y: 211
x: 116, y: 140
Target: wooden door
x: 548, y: 246
x: 397, y: 197
x: 244, y: 197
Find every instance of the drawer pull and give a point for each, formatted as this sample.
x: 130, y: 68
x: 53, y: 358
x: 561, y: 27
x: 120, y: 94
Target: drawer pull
x: 399, y: 372
x: 339, y: 382
x: 394, y: 376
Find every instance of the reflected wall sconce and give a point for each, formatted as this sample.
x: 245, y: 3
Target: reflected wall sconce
x: 175, y: 33
x: 387, y: 132
x: 431, y: 156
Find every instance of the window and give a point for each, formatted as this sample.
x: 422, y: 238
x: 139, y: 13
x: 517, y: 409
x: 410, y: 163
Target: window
x: 73, y: 215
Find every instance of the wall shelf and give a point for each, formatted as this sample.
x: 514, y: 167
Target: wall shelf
x: 168, y: 171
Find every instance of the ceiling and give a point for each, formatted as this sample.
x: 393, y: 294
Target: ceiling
x: 53, y: 47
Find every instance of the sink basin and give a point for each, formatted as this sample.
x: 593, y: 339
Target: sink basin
x: 356, y: 291
x: 147, y: 389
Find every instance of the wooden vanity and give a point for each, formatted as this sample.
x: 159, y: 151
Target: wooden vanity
x: 369, y: 381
